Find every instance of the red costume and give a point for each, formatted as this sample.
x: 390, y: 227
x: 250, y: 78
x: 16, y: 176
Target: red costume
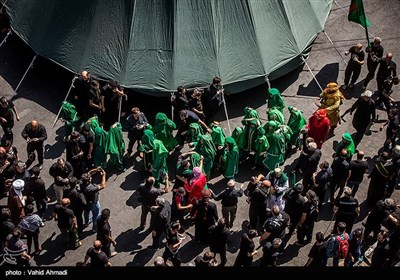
x: 318, y: 127
x: 196, y: 186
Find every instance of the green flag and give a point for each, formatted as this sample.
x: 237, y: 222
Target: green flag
x: 357, y: 14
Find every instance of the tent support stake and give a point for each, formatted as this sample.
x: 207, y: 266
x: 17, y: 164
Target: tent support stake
x: 311, y: 72
x: 326, y: 34
x: 66, y: 96
x: 26, y: 72
x: 5, y: 38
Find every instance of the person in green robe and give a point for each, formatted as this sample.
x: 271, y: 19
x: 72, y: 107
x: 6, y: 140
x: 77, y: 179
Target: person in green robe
x: 274, y: 99
x: 262, y: 147
x: 230, y: 164
x: 115, y: 146
x: 348, y: 144
x: 146, y: 148
x: 237, y: 135
x: 252, y: 128
x: 70, y: 117
x: 218, y: 137
x: 100, y: 143
x: 296, y: 123
x: 194, y: 133
x: 159, y: 168
x: 207, y: 149
x: 287, y: 134
x: 275, y: 155
x: 275, y: 115
x: 163, y: 130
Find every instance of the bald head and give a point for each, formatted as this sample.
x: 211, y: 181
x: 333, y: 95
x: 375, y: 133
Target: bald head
x: 65, y: 202
x: 34, y: 124
x: 360, y: 155
x: 85, y: 75
x: 266, y: 184
x: 359, y: 46
x: 97, y: 244
x: 389, y: 56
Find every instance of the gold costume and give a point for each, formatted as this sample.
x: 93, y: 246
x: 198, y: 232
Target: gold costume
x: 330, y: 99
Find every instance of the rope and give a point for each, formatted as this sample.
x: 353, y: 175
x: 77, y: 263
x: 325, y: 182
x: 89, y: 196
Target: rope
x: 311, y: 72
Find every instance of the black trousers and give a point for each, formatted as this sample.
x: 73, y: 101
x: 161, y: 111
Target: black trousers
x: 38, y: 147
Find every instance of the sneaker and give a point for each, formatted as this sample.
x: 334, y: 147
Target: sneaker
x: 78, y: 244
x: 40, y: 166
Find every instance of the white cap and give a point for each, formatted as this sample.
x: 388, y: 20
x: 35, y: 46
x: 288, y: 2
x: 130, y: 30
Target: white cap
x: 18, y: 185
x: 367, y: 93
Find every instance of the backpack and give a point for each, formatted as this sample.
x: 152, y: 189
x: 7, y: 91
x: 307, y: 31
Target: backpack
x: 343, y: 247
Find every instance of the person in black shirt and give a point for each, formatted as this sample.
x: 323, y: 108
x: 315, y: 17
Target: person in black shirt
x: 78, y: 202
x: 37, y: 189
x: 364, y: 115
x: 357, y: 169
x: 382, y: 209
x: 229, y: 201
x: 308, y: 218
x: 180, y: 102
x: 212, y: 100
x: 353, y: 68
x: 257, y: 191
x: 7, y: 111
x: 95, y: 105
x: 7, y: 225
x: 322, y: 181
x: 104, y: 233
x: 80, y: 94
x: 271, y: 252
x: 375, y: 51
x: 187, y: 117
x: 35, y: 134
x: 308, y: 164
x: 137, y: 123
x: 174, y: 240
x: 97, y: 257
x: 207, y: 260
x: 86, y: 143
x: 66, y: 222
x: 61, y: 171
x: 392, y: 129
x: 161, y: 220
x: 294, y: 205
x: 346, y: 209
x: 219, y: 235
x: 340, y: 168
x: 317, y: 254
x: 110, y: 94
x: 381, y: 253
x: 387, y: 68
x: 74, y: 153
x: 247, y: 250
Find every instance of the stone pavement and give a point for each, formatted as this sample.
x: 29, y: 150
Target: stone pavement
x: 45, y: 86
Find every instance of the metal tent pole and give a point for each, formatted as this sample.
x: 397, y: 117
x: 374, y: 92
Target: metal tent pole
x: 66, y: 96
x: 120, y: 105
x: 5, y: 38
x: 26, y: 72
x: 172, y: 107
x: 311, y: 72
x: 226, y: 112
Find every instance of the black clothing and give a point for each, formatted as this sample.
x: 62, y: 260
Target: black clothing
x: 357, y: 170
x: 385, y: 70
x: 64, y: 216
x: 318, y: 255
x: 381, y: 254
x: 110, y: 114
x: 346, y: 212
x: 206, y: 215
x: 134, y: 132
x: 308, y: 164
x: 374, y: 53
x: 310, y: 208
x: 270, y: 255
x: 78, y: 205
x: 8, y: 114
x: 246, y: 246
x: 191, y: 117
x: 353, y: 68
x: 160, y: 222
x: 97, y: 259
x: 29, y: 133
x: 293, y: 207
x: 170, y: 254
x: 218, y: 240
x: 91, y: 193
x: 276, y: 226
x: 80, y: 96
x: 258, y: 204
x: 375, y: 218
x: 323, y: 180
x: 94, y: 96
x: 365, y: 113
x: 212, y: 100
x: 229, y: 197
x: 64, y: 172
x: 103, y: 230
x: 340, y: 168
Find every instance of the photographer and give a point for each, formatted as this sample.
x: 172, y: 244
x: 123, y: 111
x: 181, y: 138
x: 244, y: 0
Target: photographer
x: 353, y: 68
x: 384, y: 95
x: 375, y: 51
x: 258, y: 192
x: 91, y: 193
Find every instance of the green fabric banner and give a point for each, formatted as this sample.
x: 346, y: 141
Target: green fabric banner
x: 357, y: 14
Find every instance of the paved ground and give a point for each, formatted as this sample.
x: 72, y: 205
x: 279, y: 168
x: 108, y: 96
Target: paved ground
x: 45, y: 86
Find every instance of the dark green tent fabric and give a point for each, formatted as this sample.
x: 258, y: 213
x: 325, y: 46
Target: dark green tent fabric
x: 153, y: 46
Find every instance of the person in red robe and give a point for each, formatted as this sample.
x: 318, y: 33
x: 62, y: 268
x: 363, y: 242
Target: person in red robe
x: 318, y: 127
x: 196, y: 185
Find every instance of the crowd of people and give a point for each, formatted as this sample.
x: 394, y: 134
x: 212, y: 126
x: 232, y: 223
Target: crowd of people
x: 277, y: 207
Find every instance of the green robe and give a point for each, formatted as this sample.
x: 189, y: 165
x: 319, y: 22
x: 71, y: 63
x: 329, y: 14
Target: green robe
x: 230, y: 164
x: 348, y: 144
x: 159, y: 158
x: 296, y: 123
x: 275, y: 99
x: 99, y: 147
x: 163, y: 130
x: 275, y: 115
x: 252, y: 125
x: 206, y: 148
x: 70, y: 115
x: 115, y: 145
x: 218, y: 137
x: 276, y: 153
x: 194, y: 133
x: 262, y: 147
x: 237, y: 135
x: 146, y: 147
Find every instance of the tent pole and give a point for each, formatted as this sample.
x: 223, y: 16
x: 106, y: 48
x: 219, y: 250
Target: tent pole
x: 172, y: 107
x: 226, y: 112
x: 5, y: 38
x: 267, y: 80
x: 26, y: 72
x: 326, y: 34
x: 346, y: 12
x: 312, y: 74
x: 66, y: 96
x: 120, y: 106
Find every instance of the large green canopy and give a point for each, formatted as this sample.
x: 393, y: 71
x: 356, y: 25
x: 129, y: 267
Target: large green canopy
x: 153, y: 46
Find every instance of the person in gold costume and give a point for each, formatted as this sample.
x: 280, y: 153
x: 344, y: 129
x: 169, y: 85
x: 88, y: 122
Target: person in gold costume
x: 330, y: 100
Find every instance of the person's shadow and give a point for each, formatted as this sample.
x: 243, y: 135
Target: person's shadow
x: 329, y: 73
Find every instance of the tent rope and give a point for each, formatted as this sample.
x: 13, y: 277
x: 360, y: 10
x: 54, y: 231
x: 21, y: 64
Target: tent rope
x: 5, y: 38
x: 226, y: 111
x: 311, y: 72
x: 26, y: 72
x: 326, y: 34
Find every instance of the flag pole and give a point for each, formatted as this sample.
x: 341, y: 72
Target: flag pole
x: 365, y: 24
